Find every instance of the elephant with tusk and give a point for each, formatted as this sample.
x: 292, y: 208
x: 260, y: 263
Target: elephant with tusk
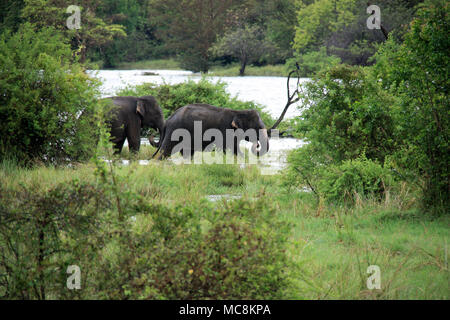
x: 203, y: 121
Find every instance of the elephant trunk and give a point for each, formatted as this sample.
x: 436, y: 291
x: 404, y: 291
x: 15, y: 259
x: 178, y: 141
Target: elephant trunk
x: 261, y: 147
x: 151, y: 138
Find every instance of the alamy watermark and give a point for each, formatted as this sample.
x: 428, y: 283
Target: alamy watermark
x: 74, y: 21
x: 74, y: 280
x: 374, y: 21
x: 374, y: 281
x: 187, y: 144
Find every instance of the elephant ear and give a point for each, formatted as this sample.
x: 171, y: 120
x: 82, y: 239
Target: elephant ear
x: 140, y: 108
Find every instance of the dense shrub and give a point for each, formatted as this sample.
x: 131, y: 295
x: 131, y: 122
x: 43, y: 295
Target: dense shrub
x: 41, y: 233
x: 416, y: 72
x: 397, y: 109
x: 348, y: 118
x: 348, y: 115
x: 237, y: 252
x: 313, y: 62
x: 353, y: 179
x: 343, y: 182
x: 128, y: 246
x: 42, y: 93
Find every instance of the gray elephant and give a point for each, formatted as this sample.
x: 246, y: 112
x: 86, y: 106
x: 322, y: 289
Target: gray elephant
x: 221, y: 120
x: 128, y: 115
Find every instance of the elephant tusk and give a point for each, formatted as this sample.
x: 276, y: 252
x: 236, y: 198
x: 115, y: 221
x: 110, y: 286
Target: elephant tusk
x: 261, y: 147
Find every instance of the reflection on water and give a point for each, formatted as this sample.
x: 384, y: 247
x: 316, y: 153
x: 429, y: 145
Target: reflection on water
x: 270, y: 92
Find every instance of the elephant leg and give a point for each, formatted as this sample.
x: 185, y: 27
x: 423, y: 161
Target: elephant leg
x: 134, y: 139
x: 118, y: 145
x: 167, y: 145
x: 117, y: 139
x: 165, y: 150
x: 186, y: 154
x: 237, y: 150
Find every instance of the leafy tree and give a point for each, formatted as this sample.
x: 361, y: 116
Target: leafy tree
x: 190, y: 27
x: 318, y: 19
x: 281, y: 25
x: 141, y: 42
x: 94, y: 32
x: 417, y: 73
x: 42, y: 95
x: 278, y: 19
x: 348, y: 116
x: 313, y: 62
x: 248, y: 44
x: 341, y: 27
x: 10, y: 14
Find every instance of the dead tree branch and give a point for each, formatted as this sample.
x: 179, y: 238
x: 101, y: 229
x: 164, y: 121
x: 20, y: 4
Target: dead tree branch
x: 291, y: 98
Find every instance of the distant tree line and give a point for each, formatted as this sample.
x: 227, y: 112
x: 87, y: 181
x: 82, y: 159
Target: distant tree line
x: 200, y: 33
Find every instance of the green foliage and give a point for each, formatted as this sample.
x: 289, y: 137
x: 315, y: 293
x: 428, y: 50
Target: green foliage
x: 172, y: 97
x: 232, y: 253
x: 341, y: 26
x: 41, y: 97
x: 189, y: 28
x: 416, y: 72
x: 41, y: 233
x: 354, y: 180
x: 397, y: 109
x: 281, y: 18
x: 346, y: 182
x: 313, y: 62
x: 318, y: 19
x: 10, y: 14
x: 94, y: 31
x: 348, y: 115
x: 248, y: 44
x: 130, y: 246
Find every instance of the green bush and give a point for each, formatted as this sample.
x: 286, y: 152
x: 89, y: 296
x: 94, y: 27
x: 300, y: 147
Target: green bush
x: 172, y: 97
x: 129, y: 246
x: 237, y: 252
x: 416, y: 72
x: 354, y: 179
x: 313, y: 62
x: 343, y: 182
x: 348, y: 115
x: 42, y: 93
x: 42, y: 231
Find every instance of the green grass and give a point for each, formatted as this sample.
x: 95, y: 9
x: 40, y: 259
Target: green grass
x: 334, y: 245
x: 158, y: 64
x: 231, y: 70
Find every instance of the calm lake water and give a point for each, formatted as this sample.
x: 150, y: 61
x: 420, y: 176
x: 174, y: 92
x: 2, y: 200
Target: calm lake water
x: 270, y: 92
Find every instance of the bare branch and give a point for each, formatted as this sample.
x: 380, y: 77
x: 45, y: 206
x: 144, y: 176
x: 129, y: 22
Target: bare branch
x: 290, y: 96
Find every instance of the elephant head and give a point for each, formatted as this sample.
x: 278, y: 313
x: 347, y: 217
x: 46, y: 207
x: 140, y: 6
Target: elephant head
x: 250, y: 119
